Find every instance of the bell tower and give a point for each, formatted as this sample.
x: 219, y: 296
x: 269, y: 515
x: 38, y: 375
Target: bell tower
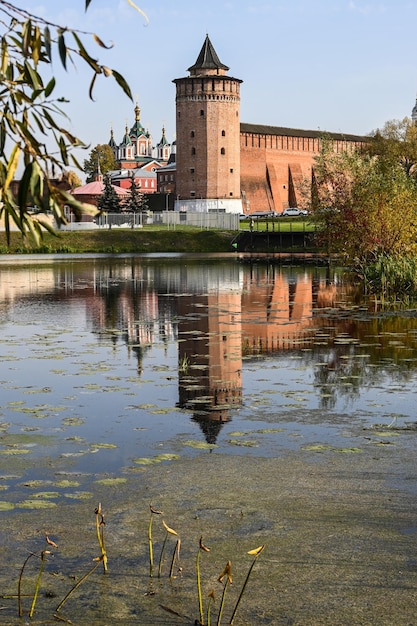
x: 208, y: 137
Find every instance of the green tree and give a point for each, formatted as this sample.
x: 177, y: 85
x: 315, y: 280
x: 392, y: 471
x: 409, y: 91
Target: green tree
x: 133, y: 202
x: 136, y: 201
x: 31, y: 113
x: 363, y: 208
x: 109, y: 200
x: 102, y: 154
x: 396, y: 144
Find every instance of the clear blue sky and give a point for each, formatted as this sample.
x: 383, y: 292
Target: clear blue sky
x: 335, y: 65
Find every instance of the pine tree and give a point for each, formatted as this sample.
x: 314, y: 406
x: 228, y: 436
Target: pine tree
x: 136, y: 201
x: 133, y: 202
x: 109, y: 200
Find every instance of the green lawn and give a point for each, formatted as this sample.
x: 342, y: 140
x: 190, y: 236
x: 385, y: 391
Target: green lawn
x: 120, y: 240
x: 280, y: 224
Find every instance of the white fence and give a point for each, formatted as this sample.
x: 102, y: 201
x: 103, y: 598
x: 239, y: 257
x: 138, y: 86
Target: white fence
x: 170, y: 219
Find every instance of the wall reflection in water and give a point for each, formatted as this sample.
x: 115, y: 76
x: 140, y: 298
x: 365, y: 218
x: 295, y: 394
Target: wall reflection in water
x: 219, y: 312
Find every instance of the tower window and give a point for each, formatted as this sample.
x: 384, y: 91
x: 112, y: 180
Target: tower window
x: 223, y: 133
x: 202, y: 113
x: 192, y: 133
x: 192, y: 170
x: 222, y: 151
x: 231, y: 170
x: 193, y: 150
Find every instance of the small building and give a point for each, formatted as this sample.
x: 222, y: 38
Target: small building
x: 90, y: 194
x: 146, y: 179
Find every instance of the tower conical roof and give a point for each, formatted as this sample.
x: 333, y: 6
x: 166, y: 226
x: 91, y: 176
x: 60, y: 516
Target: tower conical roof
x: 207, y: 59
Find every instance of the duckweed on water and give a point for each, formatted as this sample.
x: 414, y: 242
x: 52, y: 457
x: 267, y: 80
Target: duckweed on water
x: 110, y: 482
x: 35, y: 504
x: 199, y: 445
x: 15, y: 451
x: 159, y: 458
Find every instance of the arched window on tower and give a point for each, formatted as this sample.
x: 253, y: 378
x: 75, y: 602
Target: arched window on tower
x: 192, y: 134
x: 223, y: 133
x: 193, y: 150
x: 223, y: 151
x: 201, y: 112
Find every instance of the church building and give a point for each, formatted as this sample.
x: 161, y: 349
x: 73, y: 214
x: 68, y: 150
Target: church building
x: 136, y: 149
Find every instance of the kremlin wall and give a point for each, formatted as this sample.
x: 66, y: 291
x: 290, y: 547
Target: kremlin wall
x: 218, y: 163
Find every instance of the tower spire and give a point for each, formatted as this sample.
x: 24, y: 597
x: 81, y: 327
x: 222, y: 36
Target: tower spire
x: 207, y: 61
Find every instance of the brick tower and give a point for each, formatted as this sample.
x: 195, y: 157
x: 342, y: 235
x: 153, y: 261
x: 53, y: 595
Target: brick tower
x: 208, y: 136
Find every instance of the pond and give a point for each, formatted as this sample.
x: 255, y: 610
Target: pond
x: 110, y: 365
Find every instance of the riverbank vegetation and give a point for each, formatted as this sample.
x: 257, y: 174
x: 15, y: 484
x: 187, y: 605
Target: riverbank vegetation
x: 364, y: 204
x: 119, y: 241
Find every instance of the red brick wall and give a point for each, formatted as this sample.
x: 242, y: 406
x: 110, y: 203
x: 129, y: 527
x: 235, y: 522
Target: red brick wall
x: 274, y: 167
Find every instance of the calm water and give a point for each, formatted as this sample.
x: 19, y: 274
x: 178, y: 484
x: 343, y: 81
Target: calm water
x: 108, y: 363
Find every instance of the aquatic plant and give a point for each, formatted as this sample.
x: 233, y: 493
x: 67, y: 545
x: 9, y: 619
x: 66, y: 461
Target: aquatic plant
x: 184, y: 364
x: 255, y: 553
x: 201, y: 548
x: 391, y: 277
x: 226, y: 575
x: 100, y: 523
x: 150, y: 540
x: 42, y: 557
x: 169, y: 531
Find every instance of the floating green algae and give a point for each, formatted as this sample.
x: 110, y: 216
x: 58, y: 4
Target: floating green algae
x: 15, y: 451
x: 36, y: 504
x: 6, y: 506
x: 79, y: 495
x: 199, y: 445
x: 244, y: 443
x: 66, y: 483
x: 108, y: 482
x: 159, y: 458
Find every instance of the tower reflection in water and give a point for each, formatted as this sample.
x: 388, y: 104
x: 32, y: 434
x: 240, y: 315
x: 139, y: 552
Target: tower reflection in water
x: 257, y: 311
x: 209, y: 346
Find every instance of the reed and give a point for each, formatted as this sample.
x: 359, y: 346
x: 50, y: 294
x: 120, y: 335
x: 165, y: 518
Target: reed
x: 201, y: 548
x: 150, y: 540
x: 169, y: 531
x: 255, y: 553
x: 226, y: 575
x: 100, y: 524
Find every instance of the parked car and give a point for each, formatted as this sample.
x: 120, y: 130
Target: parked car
x: 262, y: 215
x: 293, y: 212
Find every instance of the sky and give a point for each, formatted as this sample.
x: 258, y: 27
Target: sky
x: 333, y: 65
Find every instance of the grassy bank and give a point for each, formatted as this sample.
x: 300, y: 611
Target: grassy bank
x: 117, y: 240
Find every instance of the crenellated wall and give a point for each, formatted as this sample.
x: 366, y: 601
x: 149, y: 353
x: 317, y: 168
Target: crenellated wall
x: 275, y: 162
